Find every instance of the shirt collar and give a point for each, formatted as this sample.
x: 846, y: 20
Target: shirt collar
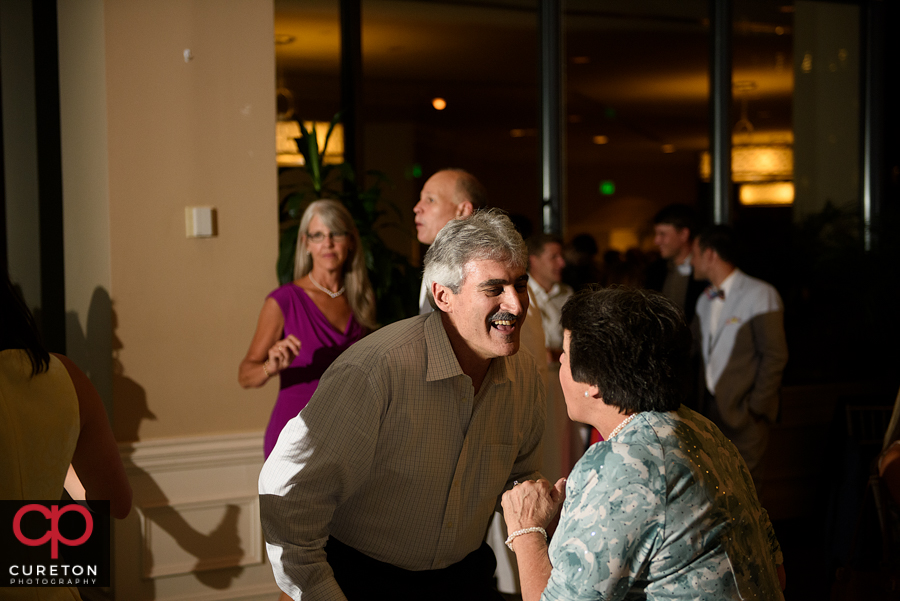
x: 684, y: 268
x: 442, y: 361
x: 728, y: 283
x: 539, y: 291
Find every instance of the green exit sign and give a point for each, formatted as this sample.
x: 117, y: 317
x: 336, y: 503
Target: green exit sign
x: 607, y: 187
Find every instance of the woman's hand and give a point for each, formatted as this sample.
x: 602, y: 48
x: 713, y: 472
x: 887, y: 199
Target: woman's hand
x: 281, y: 354
x: 532, y: 503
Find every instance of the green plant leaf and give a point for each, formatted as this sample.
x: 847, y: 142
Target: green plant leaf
x: 394, y: 280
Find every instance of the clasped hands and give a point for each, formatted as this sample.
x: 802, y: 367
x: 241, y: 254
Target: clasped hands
x: 532, y: 503
x: 281, y: 354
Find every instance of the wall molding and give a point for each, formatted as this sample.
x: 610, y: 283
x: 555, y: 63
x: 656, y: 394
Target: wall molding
x: 153, y: 515
x: 195, y: 532
x: 196, y: 452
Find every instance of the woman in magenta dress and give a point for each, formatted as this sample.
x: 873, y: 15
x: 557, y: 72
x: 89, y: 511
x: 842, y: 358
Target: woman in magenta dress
x: 306, y: 324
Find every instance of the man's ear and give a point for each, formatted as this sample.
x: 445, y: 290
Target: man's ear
x: 442, y: 297
x: 464, y: 209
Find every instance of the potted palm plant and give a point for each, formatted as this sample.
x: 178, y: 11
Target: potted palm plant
x: 394, y: 279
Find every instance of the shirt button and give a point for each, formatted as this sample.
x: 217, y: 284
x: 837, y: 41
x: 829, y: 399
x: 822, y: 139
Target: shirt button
x: 449, y: 524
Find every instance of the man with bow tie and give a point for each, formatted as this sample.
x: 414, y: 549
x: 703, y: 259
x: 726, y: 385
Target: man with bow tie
x: 743, y: 346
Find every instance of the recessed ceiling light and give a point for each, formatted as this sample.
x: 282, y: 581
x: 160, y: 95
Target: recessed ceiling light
x: 601, y: 139
x: 668, y: 148
x: 581, y: 60
x: 439, y: 103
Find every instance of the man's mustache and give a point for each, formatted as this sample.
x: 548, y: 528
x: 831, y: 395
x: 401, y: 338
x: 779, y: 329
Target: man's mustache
x: 504, y: 316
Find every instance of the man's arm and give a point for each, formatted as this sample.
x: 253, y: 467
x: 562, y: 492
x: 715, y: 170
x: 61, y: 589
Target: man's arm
x: 321, y: 457
x: 771, y: 346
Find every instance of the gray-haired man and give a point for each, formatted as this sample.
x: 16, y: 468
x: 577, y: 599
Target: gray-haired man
x: 383, y: 486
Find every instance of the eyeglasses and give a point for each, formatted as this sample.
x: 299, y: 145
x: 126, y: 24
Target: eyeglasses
x: 320, y: 236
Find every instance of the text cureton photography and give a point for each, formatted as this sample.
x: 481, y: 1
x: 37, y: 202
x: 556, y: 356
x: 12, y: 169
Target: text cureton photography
x: 54, y: 543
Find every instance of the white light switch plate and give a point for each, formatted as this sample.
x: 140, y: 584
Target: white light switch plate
x: 200, y: 222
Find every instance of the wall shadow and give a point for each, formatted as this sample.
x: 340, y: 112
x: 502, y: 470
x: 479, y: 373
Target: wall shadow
x: 96, y: 350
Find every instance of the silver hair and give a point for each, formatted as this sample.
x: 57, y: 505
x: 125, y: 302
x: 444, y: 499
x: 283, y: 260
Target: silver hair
x: 487, y: 234
x: 337, y: 218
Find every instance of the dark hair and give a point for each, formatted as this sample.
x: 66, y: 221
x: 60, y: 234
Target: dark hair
x: 584, y: 244
x: 632, y: 344
x: 537, y: 242
x: 18, y: 329
x: 721, y: 239
x: 678, y: 216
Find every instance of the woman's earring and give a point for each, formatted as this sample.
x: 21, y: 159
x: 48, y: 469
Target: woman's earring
x: 586, y: 393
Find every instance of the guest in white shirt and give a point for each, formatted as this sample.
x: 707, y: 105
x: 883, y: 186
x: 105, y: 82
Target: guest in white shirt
x: 545, y: 266
x: 743, y: 346
x: 564, y: 440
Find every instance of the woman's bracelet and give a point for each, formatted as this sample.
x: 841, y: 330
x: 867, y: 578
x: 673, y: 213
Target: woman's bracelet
x: 266, y: 371
x: 513, y: 535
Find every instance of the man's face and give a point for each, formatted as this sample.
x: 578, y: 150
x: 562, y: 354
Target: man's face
x: 700, y: 261
x: 490, y: 308
x: 671, y: 241
x: 436, y: 205
x: 547, y: 266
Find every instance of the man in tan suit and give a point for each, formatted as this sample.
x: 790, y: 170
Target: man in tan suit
x: 743, y: 346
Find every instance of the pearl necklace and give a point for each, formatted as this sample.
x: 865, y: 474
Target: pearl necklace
x: 618, y: 428
x: 324, y: 289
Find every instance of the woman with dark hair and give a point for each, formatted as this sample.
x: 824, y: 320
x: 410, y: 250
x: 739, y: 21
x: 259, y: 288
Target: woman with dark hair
x: 305, y: 324
x: 664, y: 507
x: 50, y: 417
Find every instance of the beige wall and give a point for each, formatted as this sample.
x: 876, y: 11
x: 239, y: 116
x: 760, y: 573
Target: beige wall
x: 83, y: 134
x: 178, y: 133
x: 22, y: 235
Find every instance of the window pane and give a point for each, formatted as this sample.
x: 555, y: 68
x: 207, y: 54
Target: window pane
x: 637, y: 96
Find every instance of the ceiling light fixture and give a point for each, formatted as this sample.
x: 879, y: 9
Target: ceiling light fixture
x: 775, y: 193
x: 439, y: 103
x: 287, y: 130
x: 757, y: 157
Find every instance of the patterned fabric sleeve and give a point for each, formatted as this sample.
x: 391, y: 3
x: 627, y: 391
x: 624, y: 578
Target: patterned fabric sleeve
x: 773, y: 541
x: 611, y: 524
